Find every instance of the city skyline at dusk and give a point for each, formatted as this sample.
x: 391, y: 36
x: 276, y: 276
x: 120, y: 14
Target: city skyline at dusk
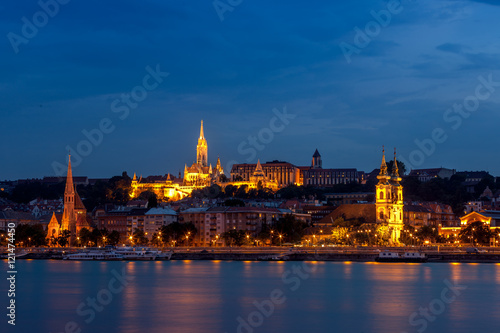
x: 128, y: 88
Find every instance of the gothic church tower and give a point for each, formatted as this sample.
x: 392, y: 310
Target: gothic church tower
x: 202, y: 149
x: 68, y: 221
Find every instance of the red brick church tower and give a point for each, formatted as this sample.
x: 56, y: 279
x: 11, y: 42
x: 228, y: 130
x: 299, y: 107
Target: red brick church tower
x: 74, y: 216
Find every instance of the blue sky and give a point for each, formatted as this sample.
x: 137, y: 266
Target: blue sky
x: 233, y: 73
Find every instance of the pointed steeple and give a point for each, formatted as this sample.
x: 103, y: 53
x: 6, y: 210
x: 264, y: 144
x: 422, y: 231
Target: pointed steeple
x: 383, y: 175
x: 202, y: 135
x: 70, y: 188
x: 316, y: 160
x: 395, y: 170
x: 135, y: 178
x: 202, y: 149
x: 258, y: 170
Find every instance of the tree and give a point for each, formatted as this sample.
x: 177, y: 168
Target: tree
x: 139, y: 237
x: 265, y: 233
x: 407, y: 235
x: 236, y: 237
x: 85, y: 236
x: 428, y: 233
x: 156, y: 240
x: 99, y: 236
x: 32, y: 235
x: 114, y: 237
x: 178, y: 233
x: 241, y: 192
x: 340, y: 235
x: 290, y: 229
x: 476, y: 233
x: 230, y: 190
x: 63, y: 239
x: 401, y: 167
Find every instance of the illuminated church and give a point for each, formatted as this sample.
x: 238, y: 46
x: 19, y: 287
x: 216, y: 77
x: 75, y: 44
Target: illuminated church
x: 74, y: 216
x: 200, y: 174
x: 389, y: 198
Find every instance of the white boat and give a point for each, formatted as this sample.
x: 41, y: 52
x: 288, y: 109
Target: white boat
x: 387, y: 256
x: 160, y: 255
x: 93, y: 255
x: 132, y: 253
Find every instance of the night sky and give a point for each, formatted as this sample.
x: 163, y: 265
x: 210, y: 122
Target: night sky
x: 345, y: 77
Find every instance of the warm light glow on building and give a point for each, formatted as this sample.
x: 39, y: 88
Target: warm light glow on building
x: 389, y: 199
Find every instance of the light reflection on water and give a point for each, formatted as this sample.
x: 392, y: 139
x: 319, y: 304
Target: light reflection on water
x: 210, y: 296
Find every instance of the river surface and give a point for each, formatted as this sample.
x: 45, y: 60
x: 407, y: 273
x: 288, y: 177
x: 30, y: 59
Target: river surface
x: 251, y: 297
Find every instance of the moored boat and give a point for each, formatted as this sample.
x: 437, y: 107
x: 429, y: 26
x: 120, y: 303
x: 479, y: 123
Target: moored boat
x: 410, y: 256
x: 93, y: 255
x: 132, y: 253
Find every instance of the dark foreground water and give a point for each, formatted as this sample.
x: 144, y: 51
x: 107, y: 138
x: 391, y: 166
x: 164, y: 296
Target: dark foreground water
x: 215, y: 296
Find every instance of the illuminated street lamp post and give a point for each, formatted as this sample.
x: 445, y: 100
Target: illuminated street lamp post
x: 280, y: 238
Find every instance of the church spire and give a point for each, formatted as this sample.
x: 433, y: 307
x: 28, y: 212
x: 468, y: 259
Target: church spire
x: 70, y: 188
x: 202, y: 149
x: 258, y: 169
x: 202, y: 135
x: 383, y: 175
x: 395, y: 170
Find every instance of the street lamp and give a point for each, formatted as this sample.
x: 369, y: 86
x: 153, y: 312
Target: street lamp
x: 280, y: 238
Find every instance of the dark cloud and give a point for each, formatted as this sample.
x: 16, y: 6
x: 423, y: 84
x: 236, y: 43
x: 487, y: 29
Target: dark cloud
x: 450, y: 47
x: 232, y: 74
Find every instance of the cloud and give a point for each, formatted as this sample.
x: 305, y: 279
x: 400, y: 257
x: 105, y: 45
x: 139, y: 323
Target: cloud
x: 450, y: 47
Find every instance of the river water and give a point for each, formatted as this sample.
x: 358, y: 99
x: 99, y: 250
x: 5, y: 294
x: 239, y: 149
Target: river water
x: 230, y: 296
